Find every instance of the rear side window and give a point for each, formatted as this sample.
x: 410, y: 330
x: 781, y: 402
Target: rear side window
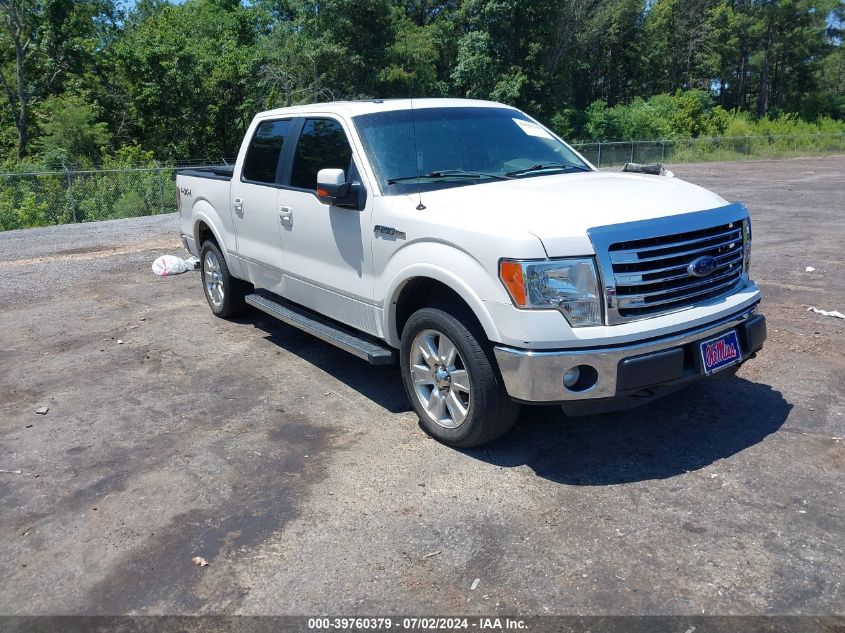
x: 322, y: 145
x: 262, y: 156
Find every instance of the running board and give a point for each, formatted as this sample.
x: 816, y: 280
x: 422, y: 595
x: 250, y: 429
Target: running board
x: 325, y: 329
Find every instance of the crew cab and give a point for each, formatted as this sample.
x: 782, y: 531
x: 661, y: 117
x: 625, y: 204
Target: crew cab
x: 470, y: 244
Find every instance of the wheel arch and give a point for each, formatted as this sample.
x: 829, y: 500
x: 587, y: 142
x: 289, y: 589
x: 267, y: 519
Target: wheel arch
x: 433, y: 286
x: 205, y: 228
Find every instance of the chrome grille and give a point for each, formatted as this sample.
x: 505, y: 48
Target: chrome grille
x: 651, y: 277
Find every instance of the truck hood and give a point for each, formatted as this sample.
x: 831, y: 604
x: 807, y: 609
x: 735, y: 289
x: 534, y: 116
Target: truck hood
x: 559, y: 209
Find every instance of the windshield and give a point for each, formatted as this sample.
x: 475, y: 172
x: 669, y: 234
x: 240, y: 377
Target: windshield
x: 459, y: 146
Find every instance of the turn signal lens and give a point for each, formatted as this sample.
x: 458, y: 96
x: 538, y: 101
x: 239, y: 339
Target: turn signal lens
x: 511, y: 275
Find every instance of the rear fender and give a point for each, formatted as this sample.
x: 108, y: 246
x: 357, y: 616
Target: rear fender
x: 204, y: 212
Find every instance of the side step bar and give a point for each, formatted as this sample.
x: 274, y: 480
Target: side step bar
x: 325, y: 329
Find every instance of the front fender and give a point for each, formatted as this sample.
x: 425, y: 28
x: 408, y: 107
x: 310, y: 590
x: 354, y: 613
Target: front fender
x: 473, y: 283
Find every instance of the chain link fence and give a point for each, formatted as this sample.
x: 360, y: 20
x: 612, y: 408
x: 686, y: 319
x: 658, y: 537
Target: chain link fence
x: 59, y: 197
x: 73, y: 195
x: 711, y: 149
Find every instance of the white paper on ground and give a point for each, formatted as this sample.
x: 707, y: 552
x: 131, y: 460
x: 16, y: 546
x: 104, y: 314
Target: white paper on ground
x: 170, y: 265
x: 833, y: 313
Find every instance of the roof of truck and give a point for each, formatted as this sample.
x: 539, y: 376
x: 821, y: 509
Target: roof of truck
x: 367, y: 106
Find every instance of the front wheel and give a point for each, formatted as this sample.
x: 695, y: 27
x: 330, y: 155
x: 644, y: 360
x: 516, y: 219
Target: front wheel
x: 452, y: 380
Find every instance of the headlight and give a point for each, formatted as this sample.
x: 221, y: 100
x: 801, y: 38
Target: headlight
x: 569, y: 285
x: 746, y: 245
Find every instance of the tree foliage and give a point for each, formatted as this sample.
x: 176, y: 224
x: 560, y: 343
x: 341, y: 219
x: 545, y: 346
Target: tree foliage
x: 81, y: 79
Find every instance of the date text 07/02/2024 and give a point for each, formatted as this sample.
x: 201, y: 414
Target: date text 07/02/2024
x: 416, y: 623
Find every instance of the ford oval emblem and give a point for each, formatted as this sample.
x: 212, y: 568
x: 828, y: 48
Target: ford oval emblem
x: 702, y: 266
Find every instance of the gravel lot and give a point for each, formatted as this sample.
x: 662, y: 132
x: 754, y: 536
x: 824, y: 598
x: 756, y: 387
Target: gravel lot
x: 300, y: 473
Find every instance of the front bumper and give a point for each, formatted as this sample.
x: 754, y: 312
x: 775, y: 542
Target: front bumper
x: 621, y: 370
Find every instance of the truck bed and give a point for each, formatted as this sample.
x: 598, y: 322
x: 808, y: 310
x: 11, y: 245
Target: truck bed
x: 209, y: 188
x: 218, y: 172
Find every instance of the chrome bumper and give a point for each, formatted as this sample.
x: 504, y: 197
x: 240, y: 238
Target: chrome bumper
x: 537, y: 376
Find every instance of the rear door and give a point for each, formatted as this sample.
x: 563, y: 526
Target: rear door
x: 255, y: 193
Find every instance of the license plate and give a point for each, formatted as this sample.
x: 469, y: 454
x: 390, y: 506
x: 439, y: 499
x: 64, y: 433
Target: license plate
x: 720, y: 352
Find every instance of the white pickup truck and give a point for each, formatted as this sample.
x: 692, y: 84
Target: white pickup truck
x: 470, y: 243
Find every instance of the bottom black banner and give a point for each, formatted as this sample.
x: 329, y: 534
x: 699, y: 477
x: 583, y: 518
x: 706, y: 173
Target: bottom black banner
x: 493, y: 623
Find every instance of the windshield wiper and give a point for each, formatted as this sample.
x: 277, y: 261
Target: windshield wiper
x: 450, y: 173
x: 543, y: 167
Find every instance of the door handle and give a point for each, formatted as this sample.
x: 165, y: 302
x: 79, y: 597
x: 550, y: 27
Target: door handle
x: 238, y: 206
x: 285, y: 216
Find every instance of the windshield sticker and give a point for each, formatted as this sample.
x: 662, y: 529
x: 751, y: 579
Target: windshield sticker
x: 532, y: 129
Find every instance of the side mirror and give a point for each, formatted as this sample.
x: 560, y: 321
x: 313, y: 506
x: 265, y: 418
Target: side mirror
x: 333, y: 189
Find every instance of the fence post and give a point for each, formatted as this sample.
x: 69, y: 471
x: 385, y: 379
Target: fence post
x: 747, y: 146
x: 160, y: 188
x: 663, y: 150
x: 632, y: 150
x: 599, y: 159
x: 70, y: 200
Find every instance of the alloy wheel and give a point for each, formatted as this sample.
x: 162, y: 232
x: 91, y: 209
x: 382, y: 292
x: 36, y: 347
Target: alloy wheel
x: 213, y: 279
x: 441, y: 380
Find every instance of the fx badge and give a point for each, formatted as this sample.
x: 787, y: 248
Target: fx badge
x: 389, y: 231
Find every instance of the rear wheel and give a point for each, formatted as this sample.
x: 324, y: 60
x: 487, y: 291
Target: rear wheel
x: 452, y: 379
x: 224, y: 293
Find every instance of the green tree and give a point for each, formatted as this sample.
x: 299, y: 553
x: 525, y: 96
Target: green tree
x: 297, y: 63
x: 188, y: 74
x: 71, y: 128
x: 678, y: 40
x: 611, y: 65
x: 504, y: 51
x: 20, y: 20
x: 47, y: 47
x: 412, y: 60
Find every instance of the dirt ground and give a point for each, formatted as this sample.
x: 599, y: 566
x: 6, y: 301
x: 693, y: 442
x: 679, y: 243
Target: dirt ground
x: 301, y: 475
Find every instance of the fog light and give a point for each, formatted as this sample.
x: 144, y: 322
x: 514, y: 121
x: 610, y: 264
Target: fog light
x: 580, y: 378
x: 570, y: 377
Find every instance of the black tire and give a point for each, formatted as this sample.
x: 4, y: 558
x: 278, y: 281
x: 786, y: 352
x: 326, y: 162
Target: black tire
x: 233, y: 290
x: 490, y: 413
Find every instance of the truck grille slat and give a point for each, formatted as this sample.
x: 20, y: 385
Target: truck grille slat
x: 678, y: 272
x: 651, y: 277
x: 638, y: 252
x: 659, y: 297
x: 636, y: 257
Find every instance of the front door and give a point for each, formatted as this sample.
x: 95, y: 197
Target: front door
x: 327, y: 256
x: 254, y: 202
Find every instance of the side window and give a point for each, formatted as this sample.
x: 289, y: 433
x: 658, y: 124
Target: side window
x: 262, y: 156
x: 322, y: 145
